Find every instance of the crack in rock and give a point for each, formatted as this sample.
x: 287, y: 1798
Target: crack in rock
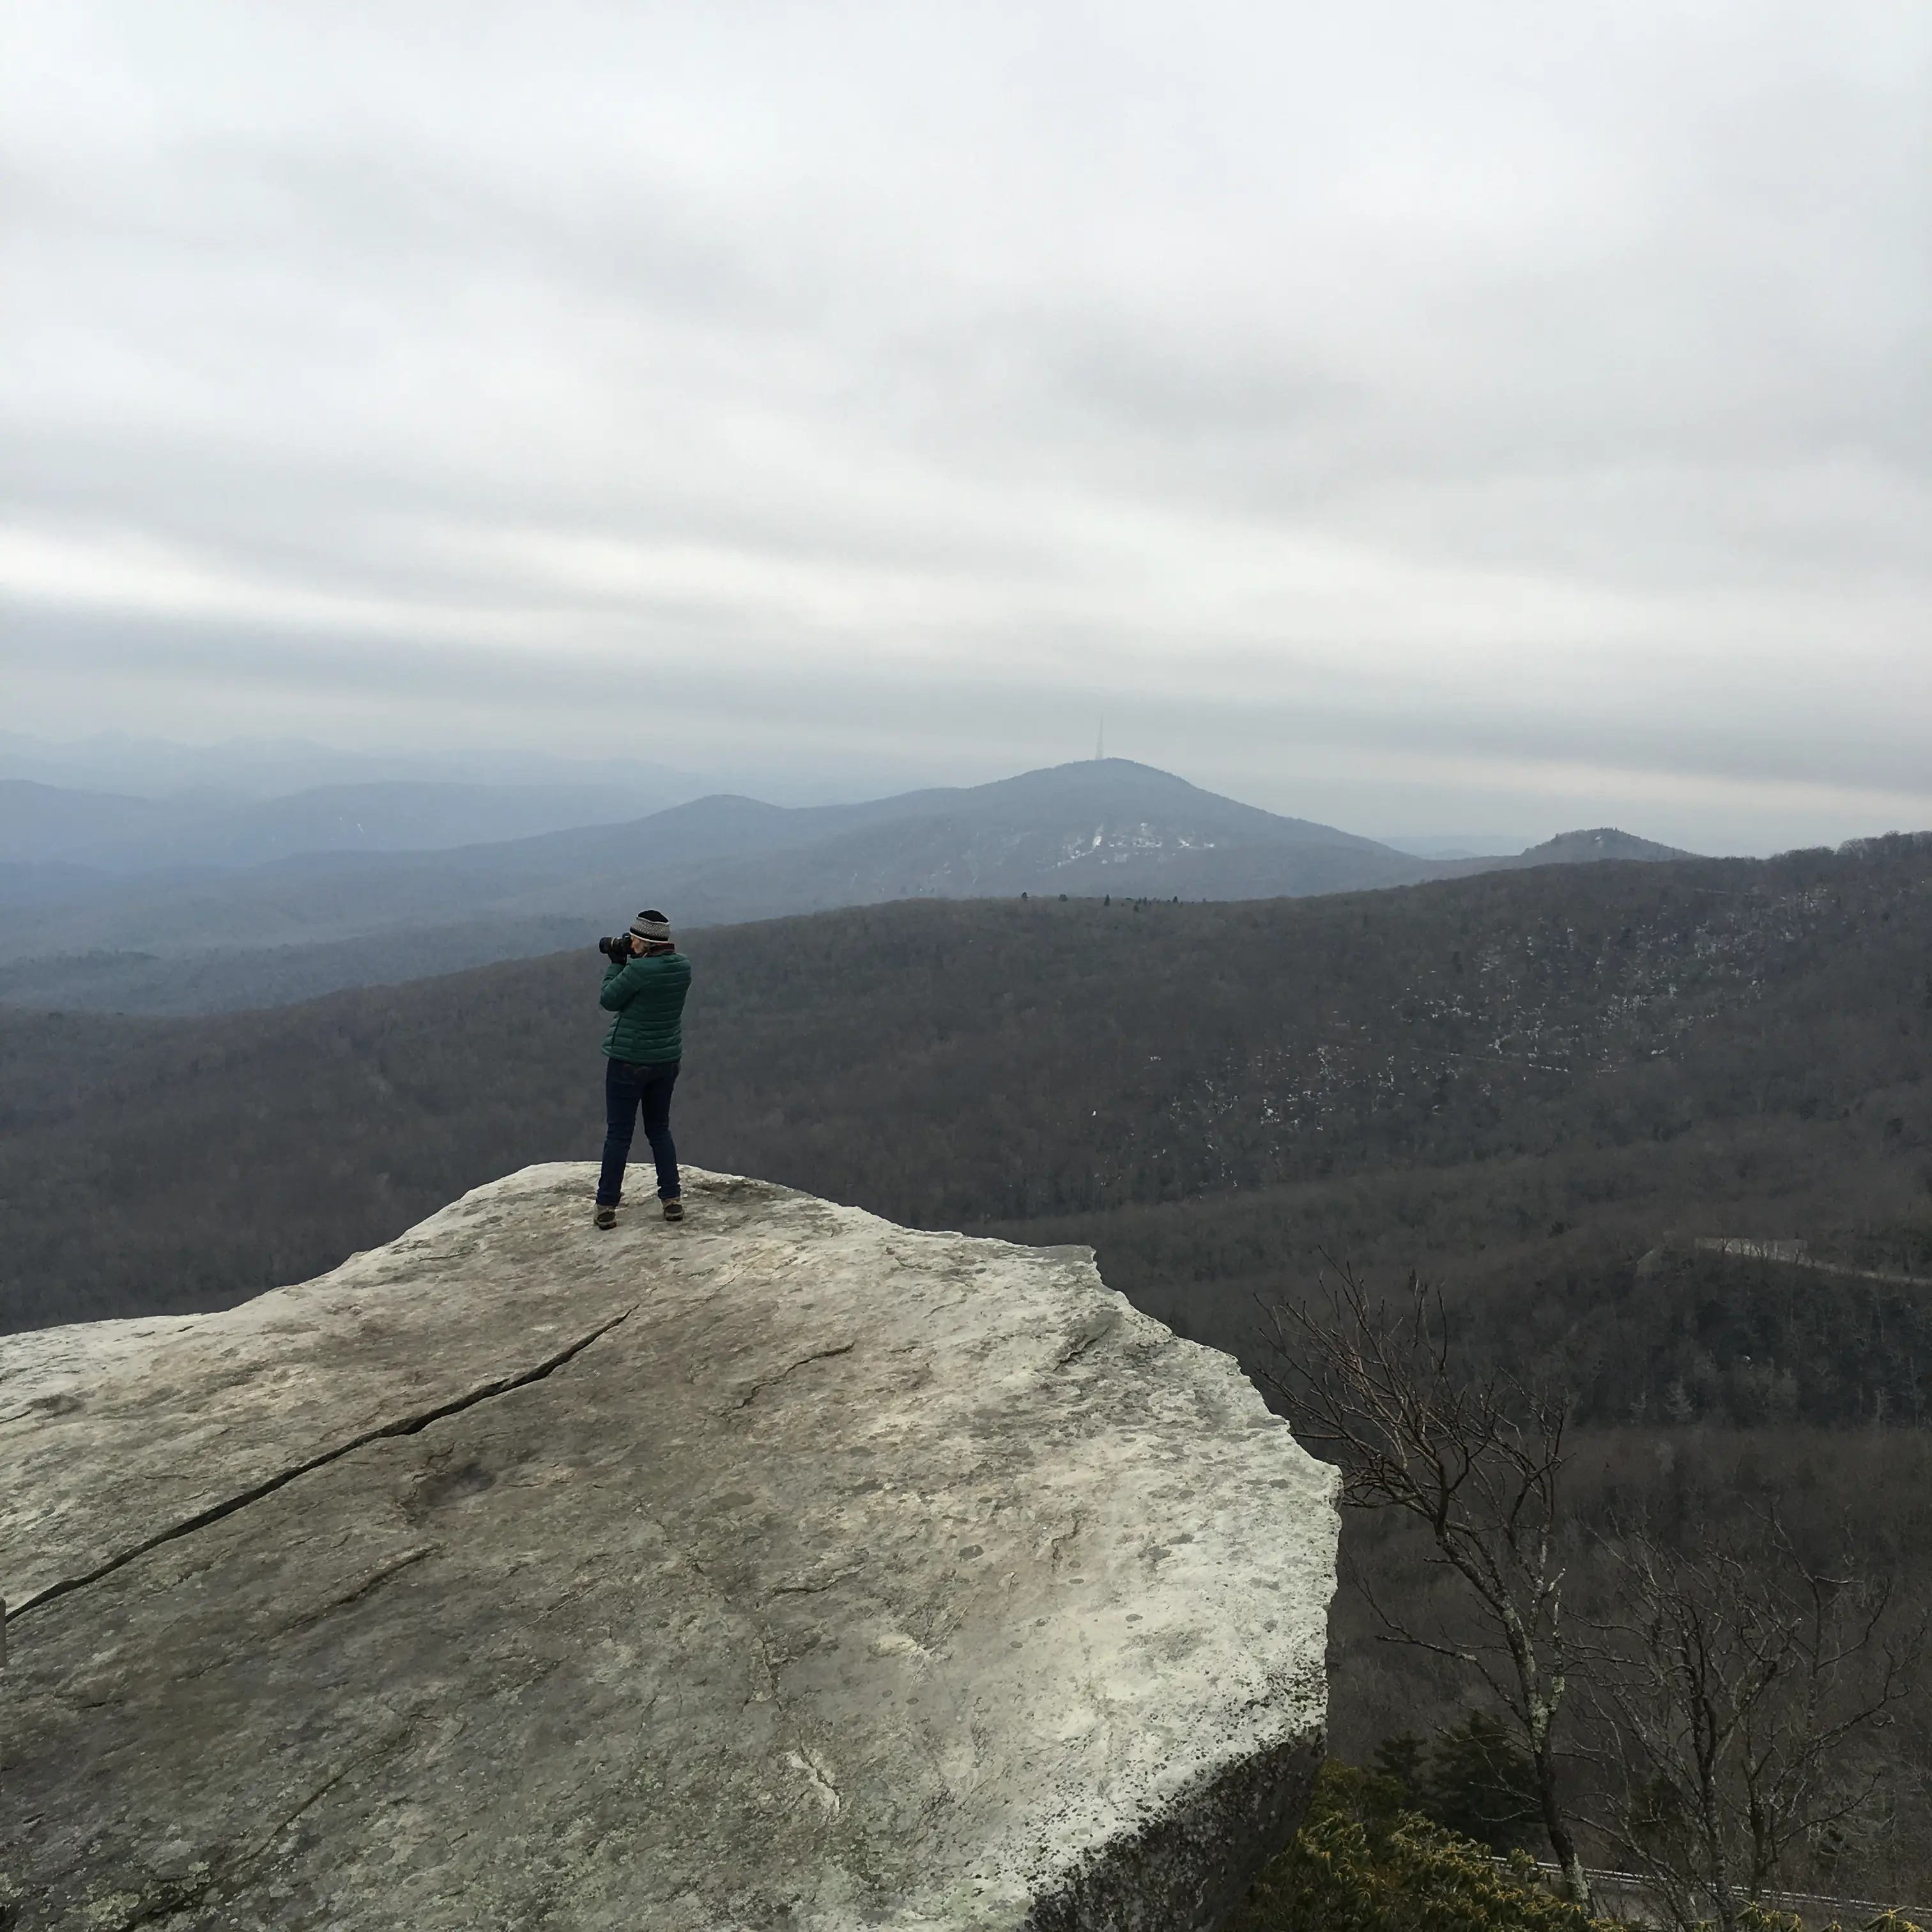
x: 408, y: 1425
x: 804, y: 1361
x: 366, y: 1586
x: 1054, y: 1543
x: 1084, y: 1340
x: 811, y: 1586
x: 831, y: 1801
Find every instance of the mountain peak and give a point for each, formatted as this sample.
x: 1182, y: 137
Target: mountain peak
x: 1604, y: 842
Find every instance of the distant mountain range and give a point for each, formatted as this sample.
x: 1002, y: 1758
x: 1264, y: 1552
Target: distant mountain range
x: 366, y: 913
x: 118, y: 833
x: 243, y: 768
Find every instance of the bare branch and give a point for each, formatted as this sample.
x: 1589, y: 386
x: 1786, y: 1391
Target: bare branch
x: 1477, y: 1462
x: 1731, y: 1690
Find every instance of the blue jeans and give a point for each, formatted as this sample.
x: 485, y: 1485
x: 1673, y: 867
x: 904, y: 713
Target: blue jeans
x: 631, y: 1087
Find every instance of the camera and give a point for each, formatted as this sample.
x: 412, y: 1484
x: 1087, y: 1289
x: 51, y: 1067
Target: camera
x: 618, y: 949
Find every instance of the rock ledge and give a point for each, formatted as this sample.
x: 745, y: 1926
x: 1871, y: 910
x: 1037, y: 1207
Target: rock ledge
x: 782, y: 1568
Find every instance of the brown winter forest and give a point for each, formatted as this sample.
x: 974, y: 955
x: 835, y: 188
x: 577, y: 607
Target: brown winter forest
x: 1556, y: 1093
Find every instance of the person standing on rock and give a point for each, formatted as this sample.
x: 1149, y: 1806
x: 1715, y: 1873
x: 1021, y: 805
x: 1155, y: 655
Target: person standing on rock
x: 645, y: 993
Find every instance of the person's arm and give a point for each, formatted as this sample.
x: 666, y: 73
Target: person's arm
x: 621, y: 981
x: 623, y: 984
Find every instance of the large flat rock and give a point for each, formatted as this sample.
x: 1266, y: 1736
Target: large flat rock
x: 785, y: 1568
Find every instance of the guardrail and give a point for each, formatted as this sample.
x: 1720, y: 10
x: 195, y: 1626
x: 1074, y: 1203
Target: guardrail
x: 1634, y: 1887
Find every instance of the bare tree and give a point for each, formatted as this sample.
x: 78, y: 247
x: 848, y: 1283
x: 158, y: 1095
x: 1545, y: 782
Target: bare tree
x: 1478, y: 1461
x: 1731, y: 1690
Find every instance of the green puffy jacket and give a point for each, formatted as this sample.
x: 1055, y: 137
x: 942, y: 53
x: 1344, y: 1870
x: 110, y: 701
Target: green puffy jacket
x: 647, y: 995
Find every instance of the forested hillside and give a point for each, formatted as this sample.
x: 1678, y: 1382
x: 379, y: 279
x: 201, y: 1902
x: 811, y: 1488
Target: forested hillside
x: 1544, y: 1088
x: 1568, y: 1063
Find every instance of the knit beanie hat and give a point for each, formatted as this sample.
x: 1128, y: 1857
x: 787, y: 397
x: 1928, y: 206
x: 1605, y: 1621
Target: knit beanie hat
x: 652, y: 927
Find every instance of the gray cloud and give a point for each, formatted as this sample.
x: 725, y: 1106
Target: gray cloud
x: 1410, y: 417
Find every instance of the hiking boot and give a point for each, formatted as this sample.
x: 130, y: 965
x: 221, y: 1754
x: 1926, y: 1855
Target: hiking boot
x: 674, y: 1209
x: 606, y: 1217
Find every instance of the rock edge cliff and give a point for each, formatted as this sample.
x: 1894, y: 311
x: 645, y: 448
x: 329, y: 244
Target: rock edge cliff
x: 784, y: 1568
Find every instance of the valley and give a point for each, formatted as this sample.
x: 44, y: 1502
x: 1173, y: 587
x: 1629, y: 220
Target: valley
x: 1550, y: 1089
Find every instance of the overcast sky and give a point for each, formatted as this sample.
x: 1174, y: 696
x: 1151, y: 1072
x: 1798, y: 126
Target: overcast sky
x: 1426, y: 418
